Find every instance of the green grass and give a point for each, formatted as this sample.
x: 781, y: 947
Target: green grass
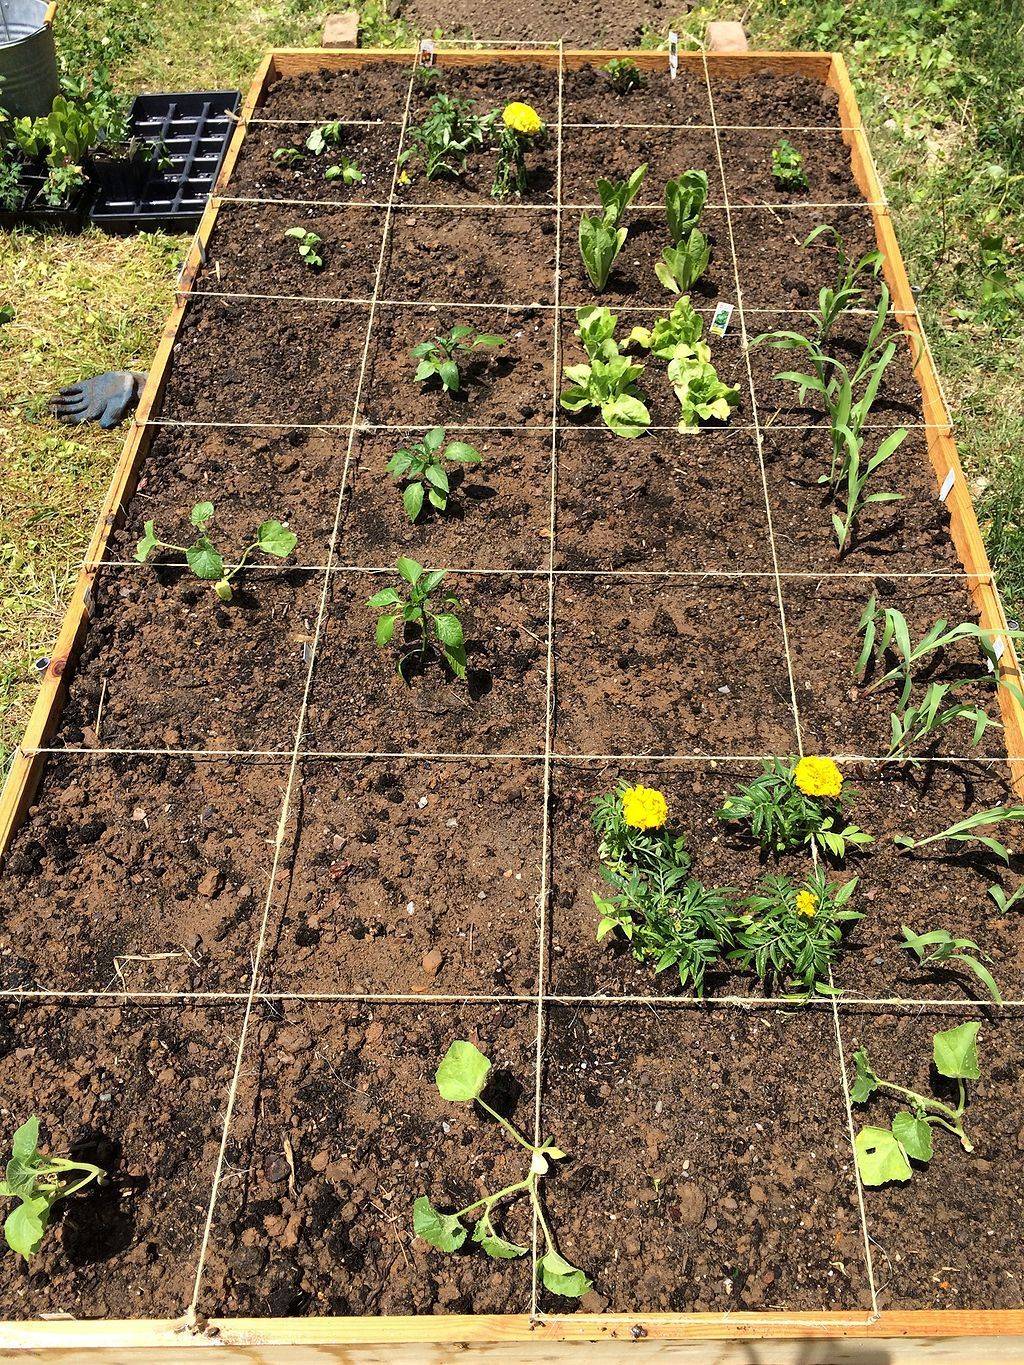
x: 939, y: 86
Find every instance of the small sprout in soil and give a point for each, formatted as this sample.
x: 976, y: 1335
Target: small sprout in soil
x: 309, y: 245
x: 607, y: 381
x: 600, y: 245
x: 788, y: 166
x: 326, y: 135
x: 461, y: 1079
x: 682, y: 326
x: 681, y: 266
x: 617, y: 195
x: 966, y: 831
x: 924, y: 719
x: 346, y: 171
x: 884, y: 1154
x: 1004, y: 902
x: 420, y: 466
x: 449, y: 132
x: 857, y: 470
x: 623, y: 75
x: 939, y: 949
x: 702, y: 395
x: 790, y: 933
x: 439, y: 357
x: 521, y: 127
x: 848, y: 291
x: 423, y: 625
x: 39, y: 1182
x: 207, y: 563
x: 289, y: 156
x: 685, y: 198
x: 794, y: 805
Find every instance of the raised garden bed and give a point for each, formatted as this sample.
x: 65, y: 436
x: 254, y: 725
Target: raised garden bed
x: 256, y: 882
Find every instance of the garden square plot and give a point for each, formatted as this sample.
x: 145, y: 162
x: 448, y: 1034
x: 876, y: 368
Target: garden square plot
x: 503, y: 256
x: 139, y: 1091
x: 728, y: 1184
x: 773, y: 99
x: 909, y: 536
x: 498, y: 513
x: 588, y: 97
x: 250, y: 253
x: 475, y: 181
x: 489, y: 87
x: 351, y: 1088
x: 410, y: 876
x: 141, y: 873
x: 666, y: 500
x: 374, y: 92
x: 359, y: 702
x: 263, y: 360
x: 166, y: 664
x: 507, y: 385
x: 950, y: 1236
x: 778, y: 272
x: 747, y: 163
x: 300, y: 176
x: 250, y: 476
x: 589, y: 154
x: 942, y: 886
x: 722, y: 857
x: 632, y: 281
x: 837, y: 714
x: 670, y: 666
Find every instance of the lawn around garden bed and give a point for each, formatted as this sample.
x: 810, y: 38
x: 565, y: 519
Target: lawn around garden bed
x: 266, y: 880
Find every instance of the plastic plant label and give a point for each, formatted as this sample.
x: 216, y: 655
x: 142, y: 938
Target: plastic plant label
x: 673, y: 54
x: 721, y: 319
x: 427, y: 52
x: 947, y: 485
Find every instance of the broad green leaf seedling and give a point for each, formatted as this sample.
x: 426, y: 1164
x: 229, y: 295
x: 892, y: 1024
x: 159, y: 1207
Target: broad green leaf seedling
x: 682, y: 265
x: 418, y: 611
x: 439, y: 358
x: 685, y: 198
x: 205, y: 561
x: 623, y: 75
x: 617, y: 195
x: 607, y: 380
x: 346, y: 171
x: 703, y: 397
x: 420, y: 466
x: 788, y: 166
x: 308, y: 244
x: 683, y: 326
x: 601, y: 238
x: 794, y: 805
x: 939, y: 949
x: 39, y: 1182
x: 462, y: 1079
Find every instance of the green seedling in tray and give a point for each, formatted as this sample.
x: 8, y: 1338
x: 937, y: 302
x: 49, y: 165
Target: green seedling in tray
x: 205, y: 561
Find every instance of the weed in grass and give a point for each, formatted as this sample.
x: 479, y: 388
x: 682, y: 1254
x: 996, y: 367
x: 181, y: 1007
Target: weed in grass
x: 39, y: 1182
x: 423, y: 625
x: 420, y: 467
x: 205, y: 561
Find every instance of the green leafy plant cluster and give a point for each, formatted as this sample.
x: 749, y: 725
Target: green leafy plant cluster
x: 703, y: 397
x: 623, y: 75
x: 601, y: 237
x: 439, y: 357
x: 321, y: 140
x: 607, y: 379
x: 39, y: 1182
x: 426, y: 616
x: 206, y: 561
x: 688, y: 256
x: 308, y: 245
x: 788, y: 166
x: 420, y: 467
x: 784, y: 819
x: 449, y: 131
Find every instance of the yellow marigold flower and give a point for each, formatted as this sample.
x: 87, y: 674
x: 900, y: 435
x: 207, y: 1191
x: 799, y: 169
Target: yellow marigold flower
x: 818, y: 777
x: 644, y: 808
x: 806, y: 904
x: 521, y: 118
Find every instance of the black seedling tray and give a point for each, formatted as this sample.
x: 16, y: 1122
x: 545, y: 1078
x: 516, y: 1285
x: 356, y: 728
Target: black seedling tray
x: 194, y: 130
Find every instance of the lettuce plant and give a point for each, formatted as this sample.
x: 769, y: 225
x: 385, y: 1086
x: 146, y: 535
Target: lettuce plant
x: 702, y: 395
x: 607, y: 381
x: 617, y: 195
x: 682, y: 325
x: 682, y: 265
x: 418, y: 611
x: 420, y: 466
x: 205, y: 561
x: 623, y: 75
x: 685, y: 198
x: 462, y: 1079
x: 39, y: 1182
x: 600, y: 245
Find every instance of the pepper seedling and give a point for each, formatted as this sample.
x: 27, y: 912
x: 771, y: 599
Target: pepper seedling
x: 788, y: 166
x: 309, y: 245
x: 884, y: 1154
x: 39, y: 1182
x: 205, y: 561
x: 346, y: 171
x: 439, y: 357
x: 417, y: 609
x: 421, y: 467
x: 461, y: 1079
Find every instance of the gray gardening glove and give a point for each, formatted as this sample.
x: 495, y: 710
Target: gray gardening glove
x: 107, y: 398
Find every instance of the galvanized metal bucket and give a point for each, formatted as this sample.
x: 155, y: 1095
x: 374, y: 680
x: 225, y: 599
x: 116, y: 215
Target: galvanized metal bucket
x: 28, y: 57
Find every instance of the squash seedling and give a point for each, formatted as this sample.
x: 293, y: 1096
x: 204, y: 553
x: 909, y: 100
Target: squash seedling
x: 884, y: 1154
x: 308, y: 244
x: 439, y: 358
x: 796, y: 804
x: 39, y: 1182
x: 420, y: 466
x: 938, y: 949
x: 418, y: 610
x: 461, y: 1079
x: 788, y: 166
x: 205, y: 561
x: 607, y: 380
x: 623, y: 75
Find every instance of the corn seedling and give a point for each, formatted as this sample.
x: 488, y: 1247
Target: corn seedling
x: 884, y: 1154
x: 600, y: 245
x: 420, y: 466
x: 39, y: 1182
x: 623, y: 75
x: 1004, y: 902
x: 793, y: 805
x: 617, y: 195
x: 205, y: 561
x: 924, y: 719
x: 702, y: 395
x: 308, y: 244
x: 423, y: 625
x: 462, y: 1079
x: 682, y: 326
x: 857, y: 470
x: 681, y: 266
x: 607, y: 381
x: 788, y: 166
x: 966, y: 831
x: 685, y: 198
x: 440, y: 357
x: 449, y: 132
x: 848, y: 291
x: 789, y: 934
x: 938, y: 949
x: 346, y: 171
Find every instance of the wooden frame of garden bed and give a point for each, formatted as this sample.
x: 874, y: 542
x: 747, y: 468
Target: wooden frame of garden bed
x: 961, y: 1336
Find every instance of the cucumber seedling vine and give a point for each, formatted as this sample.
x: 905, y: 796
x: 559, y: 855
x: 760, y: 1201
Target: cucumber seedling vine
x: 205, y: 561
x: 39, y: 1182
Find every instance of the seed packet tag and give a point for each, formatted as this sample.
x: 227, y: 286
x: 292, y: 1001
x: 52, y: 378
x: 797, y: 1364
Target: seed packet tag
x: 998, y: 647
x: 721, y: 319
x: 673, y: 54
x: 947, y: 485
x: 427, y: 52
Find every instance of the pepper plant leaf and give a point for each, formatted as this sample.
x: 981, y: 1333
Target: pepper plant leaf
x: 880, y: 1158
x: 956, y: 1052
x: 462, y: 1073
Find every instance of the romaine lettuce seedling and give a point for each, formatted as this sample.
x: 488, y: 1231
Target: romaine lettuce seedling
x: 600, y: 245
x: 685, y: 198
x: 702, y: 395
x: 418, y: 610
x: 420, y: 466
x: 608, y: 380
x: 884, y: 1154
x: 308, y: 244
x: 617, y: 195
x: 683, y: 324
x: 461, y: 1079
x: 439, y: 357
x: 788, y: 166
x: 682, y: 266
x: 39, y: 1182
x: 205, y: 561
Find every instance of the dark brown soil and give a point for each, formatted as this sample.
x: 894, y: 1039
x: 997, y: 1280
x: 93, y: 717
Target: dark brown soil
x: 491, y: 87
x: 709, y: 1169
x: 747, y: 158
x: 139, y: 1091
x: 839, y: 716
x: 412, y: 877
x: 376, y: 92
x: 149, y: 873
x: 173, y: 667
x: 348, y: 1091
x: 589, y: 153
x: 773, y: 101
x: 688, y: 666
x: 778, y: 271
x: 359, y: 702
x: 947, y: 1238
x: 258, y: 176
x: 498, y: 513
x: 587, y: 97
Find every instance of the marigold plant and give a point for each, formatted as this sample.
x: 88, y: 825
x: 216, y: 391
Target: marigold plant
x: 790, y: 806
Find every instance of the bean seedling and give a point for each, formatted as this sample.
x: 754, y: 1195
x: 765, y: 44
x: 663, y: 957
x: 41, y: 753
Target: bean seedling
x: 788, y: 166
x: 420, y: 466
x: 309, y: 245
x: 439, y: 357
x: 681, y: 266
x: 346, y: 171
x: 938, y: 949
x: 685, y: 198
x: 39, y: 1182
x: 289, y: 156
x: 205, y: 561
x: 623, y: 75
x: 324, y: 136
x: 790, y: 933
x: 418, y: 611
x: 884, y: 1154
x: 607, y: 381
x: 793, y: 805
